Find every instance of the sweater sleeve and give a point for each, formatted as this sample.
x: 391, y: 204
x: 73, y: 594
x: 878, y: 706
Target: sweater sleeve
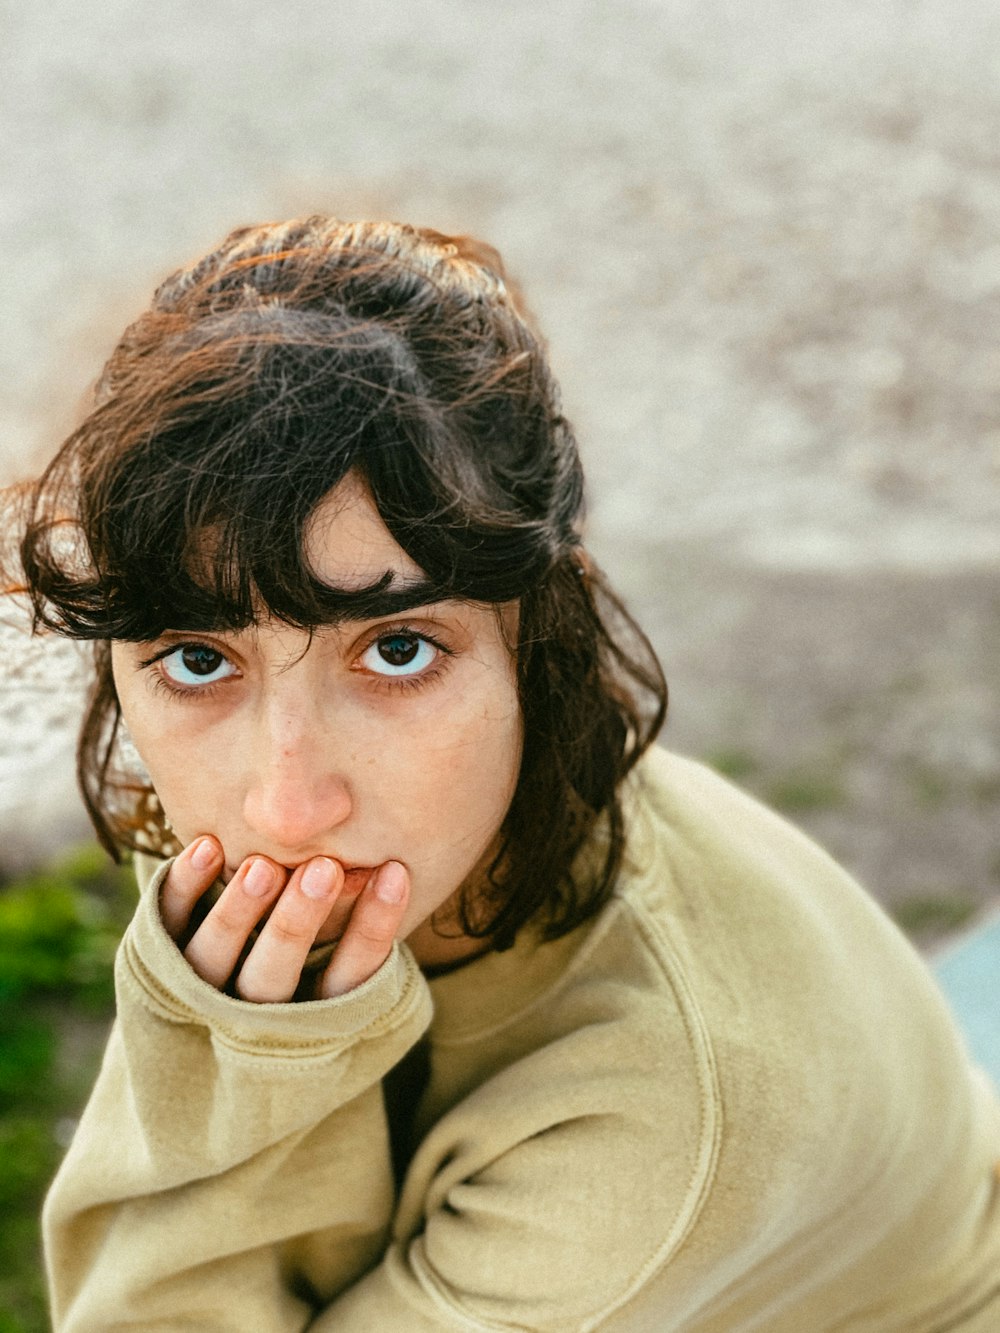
x: 232, y: 1170
x: 232, y: 1167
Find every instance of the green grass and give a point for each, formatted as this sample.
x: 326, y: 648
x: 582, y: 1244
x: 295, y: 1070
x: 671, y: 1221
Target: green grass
x: 817, y: 785
x: 739, y: 765
x: 934, y: 914
x: 930, y: 786
x: 58, y: 932
x: 804, y: 790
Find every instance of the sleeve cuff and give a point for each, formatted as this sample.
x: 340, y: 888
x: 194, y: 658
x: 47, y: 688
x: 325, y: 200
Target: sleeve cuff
x: 396, y: 995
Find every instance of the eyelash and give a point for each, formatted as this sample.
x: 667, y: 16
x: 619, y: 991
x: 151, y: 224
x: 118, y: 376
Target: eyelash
x: 164, y: 685
x: 403, y: 683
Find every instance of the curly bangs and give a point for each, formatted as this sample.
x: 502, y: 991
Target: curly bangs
x: 261, y: 376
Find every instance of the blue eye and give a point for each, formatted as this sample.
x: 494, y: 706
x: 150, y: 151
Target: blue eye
x: 399, y: 654
x: 195, y: 664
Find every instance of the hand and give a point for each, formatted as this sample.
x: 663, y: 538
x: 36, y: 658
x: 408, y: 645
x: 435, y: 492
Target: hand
x: 292, y: 907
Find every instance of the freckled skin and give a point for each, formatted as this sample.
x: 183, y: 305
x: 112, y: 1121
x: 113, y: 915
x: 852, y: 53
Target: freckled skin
x: 305, y: 751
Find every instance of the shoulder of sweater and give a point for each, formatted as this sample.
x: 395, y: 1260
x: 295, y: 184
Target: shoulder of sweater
x: 691, y: 831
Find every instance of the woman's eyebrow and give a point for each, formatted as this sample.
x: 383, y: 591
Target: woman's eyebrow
x: 382, y: 599
x: 374, y: 601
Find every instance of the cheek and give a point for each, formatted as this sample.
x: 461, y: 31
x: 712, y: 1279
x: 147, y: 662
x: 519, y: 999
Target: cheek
x: 173, y: 752
x: 455, y: 775
x: 179, y: 774
x: 484, y: 759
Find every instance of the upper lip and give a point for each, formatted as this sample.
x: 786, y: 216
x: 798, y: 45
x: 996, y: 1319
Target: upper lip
x: 230, y: 870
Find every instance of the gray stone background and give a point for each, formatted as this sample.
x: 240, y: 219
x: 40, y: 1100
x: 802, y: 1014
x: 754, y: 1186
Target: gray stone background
x: 764, y: 241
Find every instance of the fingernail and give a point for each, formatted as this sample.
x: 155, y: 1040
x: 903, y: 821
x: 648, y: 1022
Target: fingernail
x: 204, y: 855
x: 259, y: 879
x: 390, y: 883
x: 318, y: 878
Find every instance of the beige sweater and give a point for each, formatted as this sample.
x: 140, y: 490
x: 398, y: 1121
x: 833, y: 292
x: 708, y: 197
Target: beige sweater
x: 732, y: 1101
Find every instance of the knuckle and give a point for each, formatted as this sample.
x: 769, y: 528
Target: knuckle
x: 372, y: 925
x: 228, y: 921
x: 371, y: 936
x: 177, y: 885
x: 285, y: 930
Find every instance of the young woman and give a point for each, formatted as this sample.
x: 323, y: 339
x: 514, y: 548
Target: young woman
x: 449, y: 1002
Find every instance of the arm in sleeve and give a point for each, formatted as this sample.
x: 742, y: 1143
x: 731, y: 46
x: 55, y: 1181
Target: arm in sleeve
x: 232, y: 1170
x: 548, y: 1200
x: 233, y: 1159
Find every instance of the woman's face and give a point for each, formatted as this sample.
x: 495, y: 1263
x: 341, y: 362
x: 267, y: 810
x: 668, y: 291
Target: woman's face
x: 390, y: 739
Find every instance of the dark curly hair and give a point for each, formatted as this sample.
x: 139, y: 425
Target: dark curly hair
x: 294, y: 354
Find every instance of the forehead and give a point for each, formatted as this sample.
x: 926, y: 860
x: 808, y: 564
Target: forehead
x: 348, y: 546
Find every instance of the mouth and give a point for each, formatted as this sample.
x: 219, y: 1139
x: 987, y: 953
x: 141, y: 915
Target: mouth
x: 355, y: 877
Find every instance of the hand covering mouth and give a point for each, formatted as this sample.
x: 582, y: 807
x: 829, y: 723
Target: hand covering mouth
x: 353, y: 874
x: 355, y: 879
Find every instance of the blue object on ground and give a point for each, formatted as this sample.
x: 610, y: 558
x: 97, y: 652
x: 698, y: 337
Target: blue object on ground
x: 969, y: 974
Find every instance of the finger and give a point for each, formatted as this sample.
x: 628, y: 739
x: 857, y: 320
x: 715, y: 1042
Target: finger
x: 215, y: 947
x: 192, y: 874
x: 368, y: 939
x: 273, y: 967
x: 340, y: 913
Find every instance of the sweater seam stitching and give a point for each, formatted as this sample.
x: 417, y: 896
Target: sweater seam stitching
x: 162, y: 1003
x: 711, y: 1117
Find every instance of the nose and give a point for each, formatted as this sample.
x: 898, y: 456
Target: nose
x: 299, y: 789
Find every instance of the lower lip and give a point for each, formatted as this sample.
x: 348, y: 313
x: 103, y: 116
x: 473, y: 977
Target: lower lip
x: 355, y: 877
